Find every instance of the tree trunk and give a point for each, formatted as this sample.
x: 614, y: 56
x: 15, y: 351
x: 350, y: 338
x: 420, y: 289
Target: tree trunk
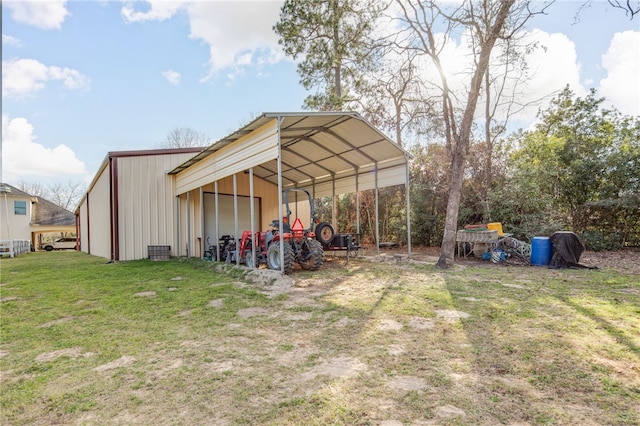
x: 459, y: 152
x: 447, y: 250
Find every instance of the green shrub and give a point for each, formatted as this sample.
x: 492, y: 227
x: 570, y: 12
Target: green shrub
x: 598, y: 241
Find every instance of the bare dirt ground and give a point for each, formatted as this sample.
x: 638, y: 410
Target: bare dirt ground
x: 623, y: 261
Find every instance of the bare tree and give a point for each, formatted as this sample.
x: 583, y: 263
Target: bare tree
x: 628, y: 6
x: 35, y: 189
x: 185, y: 137
x: 66, y: 195
x: 395, y: 99
x: 63, y: 194
x: 485, y: 22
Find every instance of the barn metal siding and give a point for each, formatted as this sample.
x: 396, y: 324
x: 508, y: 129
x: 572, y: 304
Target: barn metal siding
x: 84, y: 226
x: 99, y: 217
x: 146, y: 203
x: 244, y: 153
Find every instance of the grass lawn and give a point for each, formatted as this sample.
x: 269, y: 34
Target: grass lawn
x: 192, y: 342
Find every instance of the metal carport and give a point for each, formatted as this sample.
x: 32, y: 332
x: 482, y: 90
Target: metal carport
x: 327, y: 153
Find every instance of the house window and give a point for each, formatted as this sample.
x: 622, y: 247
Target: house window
x: 20, y: 207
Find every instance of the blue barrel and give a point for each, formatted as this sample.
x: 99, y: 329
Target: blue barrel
x: 540, y: 251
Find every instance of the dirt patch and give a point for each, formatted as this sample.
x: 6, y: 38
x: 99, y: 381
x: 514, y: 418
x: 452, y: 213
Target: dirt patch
x: 271, y: 282
x: 342, y: 366
x: 68, y: 352
x: 408, y: 383
x: 118, y: 363
x: 56, y: 322
x: 8, y: 298
x: 215, y: 303
x: 145, y: 294
x: 623, y: 261
x: 449, y: 315
x: 421, y: 323
x: 253, y: 312
x: 448, y: 411
x: 389, y: 325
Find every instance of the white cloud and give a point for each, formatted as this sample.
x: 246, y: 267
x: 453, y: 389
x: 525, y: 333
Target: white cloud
x: 9, y: 40
x: 47, y: 15
x: 239, y: 34
x: 25, y: 77
x: 621, y: 87
x: 21, y: 156
x: 551, y: 66
x: 172, y: 76
x: 157, y: 11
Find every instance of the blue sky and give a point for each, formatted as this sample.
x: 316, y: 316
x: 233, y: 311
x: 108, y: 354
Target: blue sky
x: 81, y: 78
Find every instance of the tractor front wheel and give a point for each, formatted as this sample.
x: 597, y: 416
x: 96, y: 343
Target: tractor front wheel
x: 312, y: 256
x: 250, y: 260
x: 273, y: 257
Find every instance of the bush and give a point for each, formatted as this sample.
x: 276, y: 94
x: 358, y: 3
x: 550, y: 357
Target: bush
x: 598, y: 241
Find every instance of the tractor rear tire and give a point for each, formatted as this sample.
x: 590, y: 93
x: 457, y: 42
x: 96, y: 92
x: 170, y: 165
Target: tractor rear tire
x: 273, y: 257
x: 325, y: 233
x: 315, y: 256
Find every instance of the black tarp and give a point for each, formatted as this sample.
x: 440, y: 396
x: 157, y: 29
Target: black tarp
x: 567, y: 249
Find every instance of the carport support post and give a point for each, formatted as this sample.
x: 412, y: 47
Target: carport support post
x: 408, y: 197
x: 235, y: 216
x: 201, y: 223
x: 251, y: 209
x: 217, y: 234
x: 334, y: 204
x: 376, y: 215
x: 281, y: 225
x: 357, y: 203
x: 177, y: 248
x: 188, y: 223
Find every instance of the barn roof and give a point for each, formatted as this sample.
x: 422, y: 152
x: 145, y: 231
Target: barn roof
x: 316, y: 148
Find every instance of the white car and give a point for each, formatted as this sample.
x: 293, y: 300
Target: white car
x: 61, y: 244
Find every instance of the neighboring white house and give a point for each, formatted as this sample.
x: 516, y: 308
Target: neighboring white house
x: 27, y: 217
x: 168, y: 197
x: 16, y: 211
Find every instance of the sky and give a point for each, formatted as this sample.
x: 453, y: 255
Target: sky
x: 84, y: 78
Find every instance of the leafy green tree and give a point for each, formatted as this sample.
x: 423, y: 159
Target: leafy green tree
x: 580, y: 167
x: 333, y: 38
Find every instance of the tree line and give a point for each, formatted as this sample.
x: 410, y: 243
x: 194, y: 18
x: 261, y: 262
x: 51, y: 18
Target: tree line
x: 578, y: 169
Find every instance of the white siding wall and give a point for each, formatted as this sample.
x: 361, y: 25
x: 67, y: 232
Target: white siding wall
x: 396, y: 175
x: 257, y: 148
x: 14, y: 226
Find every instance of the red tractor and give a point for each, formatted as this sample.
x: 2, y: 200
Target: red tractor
x: 301, y: 244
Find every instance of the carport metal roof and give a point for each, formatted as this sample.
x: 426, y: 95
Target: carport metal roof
x: 326, y: 151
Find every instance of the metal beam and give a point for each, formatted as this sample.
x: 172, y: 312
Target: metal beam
x: 281, y: 225
x: 235, y: 217
x: 217, y: 233
x: 252, y: 212
x: 376, y: 215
